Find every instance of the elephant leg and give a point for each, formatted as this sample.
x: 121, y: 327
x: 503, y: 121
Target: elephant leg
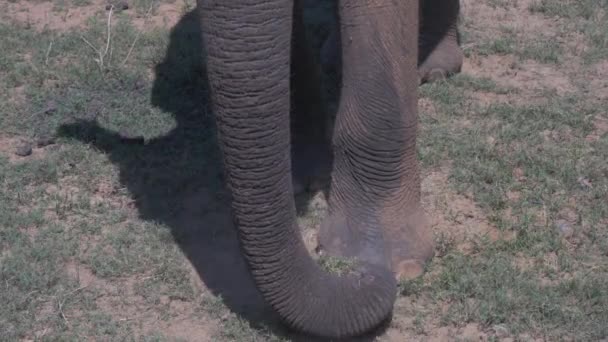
x: 375, y: 211
x: 440, y: 54
x: 311, y: 154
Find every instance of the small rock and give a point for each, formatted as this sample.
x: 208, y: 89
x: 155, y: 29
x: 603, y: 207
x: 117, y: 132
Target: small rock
x: 45, y: 141
x: 564, y: 228
x: 24, y: 150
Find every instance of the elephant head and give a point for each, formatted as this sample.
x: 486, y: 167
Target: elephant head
x: 374, y: 214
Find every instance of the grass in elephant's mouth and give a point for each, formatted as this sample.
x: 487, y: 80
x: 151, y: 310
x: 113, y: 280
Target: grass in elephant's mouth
x: 119, y: 230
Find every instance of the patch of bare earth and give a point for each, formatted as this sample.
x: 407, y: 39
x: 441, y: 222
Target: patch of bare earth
x: 120, y: 300
x: 598, y: 84
x: 456, y: 219
x: 10, y: 145
x: 532, y: 78
x: 43, y: 15
x: 16, y: 95
x: 514, y: 15
x: 166, y: 15
x: 529, y: 77
x: 600, y: 124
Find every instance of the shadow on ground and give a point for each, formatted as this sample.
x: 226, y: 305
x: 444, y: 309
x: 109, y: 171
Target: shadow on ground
x: 176, y: 179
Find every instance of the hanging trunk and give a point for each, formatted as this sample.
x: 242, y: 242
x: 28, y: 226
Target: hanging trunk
x: 248, y: 42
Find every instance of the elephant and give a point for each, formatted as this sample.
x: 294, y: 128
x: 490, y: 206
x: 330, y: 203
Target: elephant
x: 260, y: 71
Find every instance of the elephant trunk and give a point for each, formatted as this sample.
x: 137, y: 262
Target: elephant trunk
x: 248, y: 63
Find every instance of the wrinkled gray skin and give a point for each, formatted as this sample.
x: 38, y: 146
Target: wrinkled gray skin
x: 439, y: 53
x: 253, y: 47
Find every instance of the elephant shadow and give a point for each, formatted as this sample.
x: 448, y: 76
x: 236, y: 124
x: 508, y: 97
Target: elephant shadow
x: 176, y: 179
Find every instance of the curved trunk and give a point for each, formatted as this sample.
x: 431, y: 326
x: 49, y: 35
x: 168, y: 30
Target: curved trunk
x: 248, y: 45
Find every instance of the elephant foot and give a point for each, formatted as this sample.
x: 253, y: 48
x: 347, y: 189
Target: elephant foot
x: 404, y: 245
x: 442, y: 62
x: 342, y: 236
x: 411, y: 244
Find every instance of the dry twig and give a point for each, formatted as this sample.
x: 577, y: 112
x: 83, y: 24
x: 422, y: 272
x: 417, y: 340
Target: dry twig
x: 146, y: 17
x: 102, y: 54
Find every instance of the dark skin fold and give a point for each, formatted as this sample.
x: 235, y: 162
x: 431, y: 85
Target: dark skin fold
x: 260, y: 70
